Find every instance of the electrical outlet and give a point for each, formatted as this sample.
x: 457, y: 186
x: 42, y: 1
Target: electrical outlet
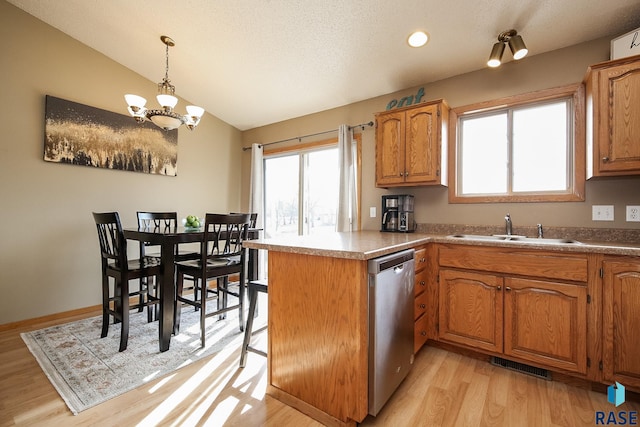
x: 372, y: 212
x: 633, y: 213
x: 602, y: 212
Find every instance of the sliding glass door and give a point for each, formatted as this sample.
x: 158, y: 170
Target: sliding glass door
x: 301, y: 192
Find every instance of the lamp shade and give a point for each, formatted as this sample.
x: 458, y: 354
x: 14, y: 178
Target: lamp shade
x: 518, y: 48
x: 195, y: 111
x: 495, y: 59
x: 167, y: 101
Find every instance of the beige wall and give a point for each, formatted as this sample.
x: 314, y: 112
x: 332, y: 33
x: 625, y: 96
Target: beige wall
x: 49, y: 259
x: 558, y: 68
x: 48, y: 248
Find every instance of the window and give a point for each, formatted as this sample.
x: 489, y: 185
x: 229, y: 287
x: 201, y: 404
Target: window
x: 301, y: 188
x: 519, y: 149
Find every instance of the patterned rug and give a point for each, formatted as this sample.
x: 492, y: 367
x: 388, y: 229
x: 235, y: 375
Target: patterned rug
x: 87, y: 370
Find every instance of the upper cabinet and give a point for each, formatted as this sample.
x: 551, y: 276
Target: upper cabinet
x: 411, y: 145
x: 613, y: 112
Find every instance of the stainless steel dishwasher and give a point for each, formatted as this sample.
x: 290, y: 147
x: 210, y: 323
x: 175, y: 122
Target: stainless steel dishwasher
x: 391, y: 324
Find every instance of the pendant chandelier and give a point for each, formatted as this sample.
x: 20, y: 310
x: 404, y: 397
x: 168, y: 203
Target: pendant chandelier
x: 165, y: 117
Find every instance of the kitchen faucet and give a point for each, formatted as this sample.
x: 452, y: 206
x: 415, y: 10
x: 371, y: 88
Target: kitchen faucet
x: 508, y: 225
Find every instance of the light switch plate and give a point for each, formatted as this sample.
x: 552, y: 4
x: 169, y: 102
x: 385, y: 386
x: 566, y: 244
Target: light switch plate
x: 602, y: 213
x: 633, y: 213
x: 372, y: 212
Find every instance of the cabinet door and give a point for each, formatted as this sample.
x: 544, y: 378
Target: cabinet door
x: 621, y: 320
x: 546, y: 322
x: 470, y: 309
x: 618, y: 111
x: 422, y: 145
x: 390, y: 149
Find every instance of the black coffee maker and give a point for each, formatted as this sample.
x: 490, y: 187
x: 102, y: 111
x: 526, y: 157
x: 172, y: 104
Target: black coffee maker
x: 397, y: 213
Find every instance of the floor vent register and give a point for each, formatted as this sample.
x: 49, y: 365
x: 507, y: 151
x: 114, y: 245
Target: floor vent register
x: 521, y: 367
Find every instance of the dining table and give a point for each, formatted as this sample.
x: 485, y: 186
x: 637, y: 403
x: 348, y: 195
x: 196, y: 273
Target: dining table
x: 168, y: 238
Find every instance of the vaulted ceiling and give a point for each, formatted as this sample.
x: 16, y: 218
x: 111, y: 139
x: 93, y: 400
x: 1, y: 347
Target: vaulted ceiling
x: 257, y: 62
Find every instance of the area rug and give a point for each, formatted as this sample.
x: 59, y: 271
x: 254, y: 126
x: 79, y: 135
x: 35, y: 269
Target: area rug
x: 87, y: 370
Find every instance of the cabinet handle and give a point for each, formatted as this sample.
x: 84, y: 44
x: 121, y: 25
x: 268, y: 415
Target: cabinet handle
x: 422, y: 260
x: 605, y: 159
x: 499, y: 288
x: 507, y: 289
x: 423, y: 306
x: 423, y: 333
x: 422, y: 283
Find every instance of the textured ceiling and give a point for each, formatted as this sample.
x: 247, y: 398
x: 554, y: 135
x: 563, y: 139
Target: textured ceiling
x: 257, y: 62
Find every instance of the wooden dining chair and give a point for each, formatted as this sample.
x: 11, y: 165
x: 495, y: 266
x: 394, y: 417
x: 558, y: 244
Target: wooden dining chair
x: 115, y: 264
x: 221, y: 255
x: 162, y: 220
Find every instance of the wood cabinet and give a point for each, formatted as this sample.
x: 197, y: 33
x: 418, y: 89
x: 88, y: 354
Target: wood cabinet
x: 421, y: 301
x: 621, y: 320
x: 532, y: 308
x: 613, y: 108
x: 411, y: 145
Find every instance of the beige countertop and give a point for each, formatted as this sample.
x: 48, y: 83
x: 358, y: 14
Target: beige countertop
x: 366, y: 245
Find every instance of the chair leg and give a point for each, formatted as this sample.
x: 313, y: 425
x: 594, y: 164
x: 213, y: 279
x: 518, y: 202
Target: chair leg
x: 241, y: 288
x: 144, y: 288
x: 148, y: 285
x: 203, y: 310
x: 253, y: 297
x: 124, y: 334
x: 105, y: 306
x: 177, y: 308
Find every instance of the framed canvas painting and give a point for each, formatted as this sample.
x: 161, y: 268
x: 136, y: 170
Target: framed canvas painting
x: 78, y: 134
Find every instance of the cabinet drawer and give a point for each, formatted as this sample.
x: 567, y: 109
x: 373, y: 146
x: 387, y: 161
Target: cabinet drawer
x: 552, y: 265
x: 420, y: 305
x: 420, y: 283
x: 420, y: 258
x: 420, y: 333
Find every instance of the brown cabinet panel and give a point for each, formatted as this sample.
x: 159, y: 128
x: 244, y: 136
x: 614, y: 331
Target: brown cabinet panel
x: 516, y: 261
x: 420, y: 305
x: 621, y: 321
x: 470, y: 309
x: 420, y: 333
x: 546, y: 322
x: 411, y: 145
x: 421, y: 281
x: 390, y: 151
x: 613, y: 106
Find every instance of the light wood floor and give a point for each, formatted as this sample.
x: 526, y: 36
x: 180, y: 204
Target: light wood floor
x: 443, y: 389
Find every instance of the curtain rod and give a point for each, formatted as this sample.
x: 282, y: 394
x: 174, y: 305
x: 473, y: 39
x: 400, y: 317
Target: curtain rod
x: 361, y: 125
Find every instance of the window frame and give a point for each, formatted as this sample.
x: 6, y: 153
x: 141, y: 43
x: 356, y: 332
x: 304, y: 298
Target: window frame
x: 304, y: 148
x: 577, y: 178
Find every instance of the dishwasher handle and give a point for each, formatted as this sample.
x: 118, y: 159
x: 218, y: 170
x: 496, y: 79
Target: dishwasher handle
x: 387, y: 262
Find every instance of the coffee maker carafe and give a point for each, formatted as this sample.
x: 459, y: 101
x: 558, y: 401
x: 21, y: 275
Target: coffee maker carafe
x: 397, y: 213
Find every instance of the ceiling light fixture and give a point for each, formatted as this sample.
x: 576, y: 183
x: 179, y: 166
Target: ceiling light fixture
x: 418, y: 39
x: 516, y: 44
x: 164, y: 118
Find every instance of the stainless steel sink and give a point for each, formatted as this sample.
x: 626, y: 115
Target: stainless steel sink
x: 516, y: 238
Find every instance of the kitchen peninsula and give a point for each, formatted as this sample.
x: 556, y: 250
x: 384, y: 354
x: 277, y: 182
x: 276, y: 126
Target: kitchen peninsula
x: 318, y: 307
x: 318, y: 320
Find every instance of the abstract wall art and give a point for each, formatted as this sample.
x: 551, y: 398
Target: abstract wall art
x: 78, y: 134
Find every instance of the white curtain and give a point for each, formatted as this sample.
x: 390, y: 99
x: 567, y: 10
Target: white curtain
x: 256, y: 199
x: 347, y: 193
x: 256, y: 190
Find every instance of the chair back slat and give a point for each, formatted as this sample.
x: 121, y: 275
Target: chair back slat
x: 224, y: 235
x: 111, y: 238
x: 157, y: 220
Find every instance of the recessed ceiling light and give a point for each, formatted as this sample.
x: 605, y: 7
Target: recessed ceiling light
x: 418, y: 39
